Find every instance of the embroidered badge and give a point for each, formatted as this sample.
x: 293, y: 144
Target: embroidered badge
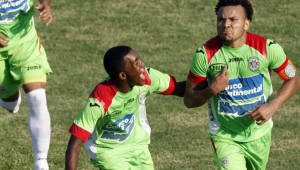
x: 142, y: 97
x: 253, y: 63
x: 289, y: 71
x: 225, y: 161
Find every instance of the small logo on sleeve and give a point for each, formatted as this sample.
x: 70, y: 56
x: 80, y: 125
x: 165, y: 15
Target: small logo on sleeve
x: 289, y: 71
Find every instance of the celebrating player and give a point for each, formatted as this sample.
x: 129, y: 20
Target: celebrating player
x: 113, y: 124
x: 23, y: 62
x: 232, y: 73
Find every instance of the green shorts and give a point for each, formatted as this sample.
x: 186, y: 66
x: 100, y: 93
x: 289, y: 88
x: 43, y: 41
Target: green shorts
x: 233, y: 155
x: 23, y: 58
x: 123, y: 158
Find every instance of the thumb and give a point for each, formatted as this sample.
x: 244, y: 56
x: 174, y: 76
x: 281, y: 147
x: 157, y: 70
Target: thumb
x: 224, y: 70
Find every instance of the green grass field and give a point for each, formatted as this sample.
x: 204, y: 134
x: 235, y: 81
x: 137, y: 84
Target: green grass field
x: 166, y: 34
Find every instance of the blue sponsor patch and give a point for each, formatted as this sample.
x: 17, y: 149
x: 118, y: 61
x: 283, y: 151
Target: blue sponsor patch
x: 243, y: 88
x: 118, y: 130
x: 239, y: 109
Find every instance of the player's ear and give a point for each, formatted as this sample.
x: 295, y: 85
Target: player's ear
x: 247, y: 24
x: 122, y: 76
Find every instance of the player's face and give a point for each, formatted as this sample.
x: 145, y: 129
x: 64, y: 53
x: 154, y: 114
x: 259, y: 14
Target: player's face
x: 134, y: 68
x: 232, y: 23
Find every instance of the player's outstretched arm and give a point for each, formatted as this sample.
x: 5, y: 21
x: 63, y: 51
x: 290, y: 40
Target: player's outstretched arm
x: 72, y: 153
x: 197, y: 94
x: 179, y: 89
x: 264, y: 112
x: 45, y: 11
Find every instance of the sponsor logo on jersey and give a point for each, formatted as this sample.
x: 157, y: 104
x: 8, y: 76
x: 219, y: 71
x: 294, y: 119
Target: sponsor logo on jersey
x: 239, y: 109
x: 253, y: 63
x: 116, y: 112
x: 128, y: 101
x: 11, y: 9
x: 28, y: 68
x: 118, y: 130
x: 3, y: 89
x: 236, y: 59
x: 94, y: 105
x: 243, y: 88
x: 217, y: 67
x: 289, y: 71
x: 239, y: 90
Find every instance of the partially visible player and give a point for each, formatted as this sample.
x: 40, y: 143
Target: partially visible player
x: 233, y: 73
x: 113, y: 125
x: 23, y: 62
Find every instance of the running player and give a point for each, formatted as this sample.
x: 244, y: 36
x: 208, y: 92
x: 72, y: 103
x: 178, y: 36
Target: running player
x: 23, y: 62
x: 113, y: 124
x: 232, y: 71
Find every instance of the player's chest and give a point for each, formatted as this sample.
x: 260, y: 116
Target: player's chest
x: 239, y: 64
x: 123, y: 105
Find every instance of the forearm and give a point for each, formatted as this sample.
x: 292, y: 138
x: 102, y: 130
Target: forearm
x: 72, y: 153
x: 195, y: 98
x: 179, y: 89
x: 286, y: 91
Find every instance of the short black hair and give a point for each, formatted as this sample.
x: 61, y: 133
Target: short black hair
x: 114, y: 62
x: 244, y: 3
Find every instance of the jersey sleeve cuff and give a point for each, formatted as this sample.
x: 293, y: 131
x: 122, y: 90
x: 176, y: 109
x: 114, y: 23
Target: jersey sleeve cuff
x: 195, y: 78
x: 79, y: 132
x: 171, y: 88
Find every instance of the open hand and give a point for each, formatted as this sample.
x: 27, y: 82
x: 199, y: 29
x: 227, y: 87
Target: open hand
x: 45, y: 13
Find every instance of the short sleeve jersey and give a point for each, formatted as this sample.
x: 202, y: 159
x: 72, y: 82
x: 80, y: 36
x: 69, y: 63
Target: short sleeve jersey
x: 114, y: 119
x: 249, y: 83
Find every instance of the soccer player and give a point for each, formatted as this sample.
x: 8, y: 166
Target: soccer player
x: 113, y: 125
x: 23, y: 62
x: 232, y: 73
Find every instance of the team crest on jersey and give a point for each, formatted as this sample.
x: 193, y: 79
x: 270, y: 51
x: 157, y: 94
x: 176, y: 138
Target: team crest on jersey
x: 289, y: 71
x: 3, y: 89
x: 142, y: 97
x: 253, y: 63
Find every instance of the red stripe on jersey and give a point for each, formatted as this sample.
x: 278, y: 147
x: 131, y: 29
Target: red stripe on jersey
x: 79, y: 132
x: 104, y: 93
x: 282, y: 66
x: 212, y: 46
x: 195, y: 78
x: 257, y: 42
x: 213, y: 144
x: 172, y: 86
x: 147, y: 78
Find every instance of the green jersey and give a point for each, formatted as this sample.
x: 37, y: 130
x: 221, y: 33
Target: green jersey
x: 249, y: 83
x: 113, y: 119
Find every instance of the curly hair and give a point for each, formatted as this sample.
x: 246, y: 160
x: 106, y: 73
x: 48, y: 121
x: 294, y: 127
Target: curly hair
x: 244, y: 3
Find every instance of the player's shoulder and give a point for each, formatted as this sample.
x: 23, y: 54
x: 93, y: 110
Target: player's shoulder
x: 104, y: 92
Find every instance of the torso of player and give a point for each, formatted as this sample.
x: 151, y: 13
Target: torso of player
x: 249, y: 86
x: 125, y: 120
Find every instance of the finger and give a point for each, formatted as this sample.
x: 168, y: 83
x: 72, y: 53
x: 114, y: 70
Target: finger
x: 253, y: 110
x: 261, y: 122
x: 224, y: 70
x: 257, y: 117
x: 2, y: 44
x: 50, y: 21
x: 4, y: 37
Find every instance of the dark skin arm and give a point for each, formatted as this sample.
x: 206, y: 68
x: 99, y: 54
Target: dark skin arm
x: 197, y: 94
x: 179, y: 89
x: 72, y: 153
x: 264, y: 112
